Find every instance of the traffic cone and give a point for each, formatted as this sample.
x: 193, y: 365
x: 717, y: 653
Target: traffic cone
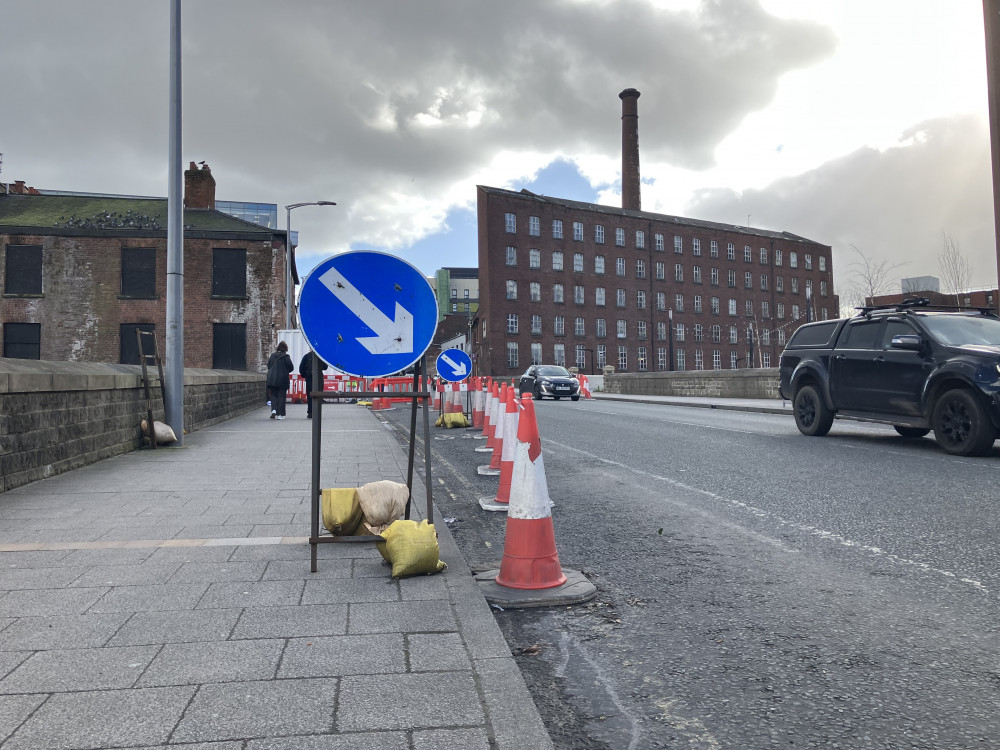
x: 585, y: 386
x: 488, y: 422
x: 502, y: 426
x: 510, y: 418
x: 477, y: 405
x: 530, y: 559
x: 495, y: 411
x: 495, y: 442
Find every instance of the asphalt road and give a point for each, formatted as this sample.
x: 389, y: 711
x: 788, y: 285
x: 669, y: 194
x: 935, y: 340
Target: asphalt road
x: 757, y: 589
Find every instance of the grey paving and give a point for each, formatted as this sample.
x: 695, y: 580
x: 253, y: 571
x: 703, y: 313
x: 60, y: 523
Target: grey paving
x: 164, y: 599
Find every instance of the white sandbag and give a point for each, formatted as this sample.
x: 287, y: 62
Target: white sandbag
x: 382, y: 503
x: 164, y: 433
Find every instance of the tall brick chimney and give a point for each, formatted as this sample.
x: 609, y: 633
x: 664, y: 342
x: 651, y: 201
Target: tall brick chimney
x: 631, y: 199
x: 199, y: 187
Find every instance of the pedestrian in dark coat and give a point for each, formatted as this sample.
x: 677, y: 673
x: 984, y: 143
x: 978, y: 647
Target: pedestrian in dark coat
x: 306, y: 371
x: 279, y: 365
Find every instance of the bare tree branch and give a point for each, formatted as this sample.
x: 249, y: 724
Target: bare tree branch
x: 869, y: 277
x: 954, y: 266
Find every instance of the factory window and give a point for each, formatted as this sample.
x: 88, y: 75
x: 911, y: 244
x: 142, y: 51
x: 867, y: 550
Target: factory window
x: 229, y: 346
x: 139, y: 274
x: 229, y: 273
x: 23, y: 270
x: 22, y: 340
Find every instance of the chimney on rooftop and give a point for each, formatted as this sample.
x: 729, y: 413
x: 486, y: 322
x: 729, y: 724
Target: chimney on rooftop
x: 199, y: 187
x: 631, y: 199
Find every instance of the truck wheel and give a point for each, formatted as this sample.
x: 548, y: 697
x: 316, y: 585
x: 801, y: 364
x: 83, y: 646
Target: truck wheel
x: 910, y: 432
x: 811, y: 415
x: 961, y: 425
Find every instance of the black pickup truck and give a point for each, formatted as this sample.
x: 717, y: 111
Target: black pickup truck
x: 916, y: 367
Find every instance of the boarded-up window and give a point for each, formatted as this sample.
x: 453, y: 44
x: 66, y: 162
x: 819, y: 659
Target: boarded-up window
x: 229, y: 346
x: 229, y: 272
x: 23, y: 270
x: 139, y: 272
x: 129, y: 349
x: 22, y: 340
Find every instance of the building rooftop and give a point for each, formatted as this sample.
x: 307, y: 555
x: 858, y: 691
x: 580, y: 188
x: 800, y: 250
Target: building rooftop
x: 666, y: 218
x: 58, y: 213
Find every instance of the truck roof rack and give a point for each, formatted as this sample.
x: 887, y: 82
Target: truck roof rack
x: 924, y: 303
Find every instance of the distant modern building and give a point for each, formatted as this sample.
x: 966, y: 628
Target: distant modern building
x: 457, y: 291
x: 82, y: 272
x: 974, y: 298
x: 572, y: 283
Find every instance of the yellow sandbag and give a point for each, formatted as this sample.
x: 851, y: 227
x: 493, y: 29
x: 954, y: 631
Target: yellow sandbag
x: 455, y: 419
x: 341, y: 510
x: 411, y: 548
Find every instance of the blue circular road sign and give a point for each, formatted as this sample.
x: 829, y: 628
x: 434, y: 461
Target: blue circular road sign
x: 454, y: 365
x: 368, y: 313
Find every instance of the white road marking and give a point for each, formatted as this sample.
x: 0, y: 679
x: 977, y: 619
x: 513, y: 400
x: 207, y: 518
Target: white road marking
x: 804, y: 528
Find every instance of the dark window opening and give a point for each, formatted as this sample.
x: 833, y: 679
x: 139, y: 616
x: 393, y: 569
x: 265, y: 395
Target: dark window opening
x: 139, y: 272
x: 129, y: 347
x: 229, y: 346
x: 23, y: 270
x: 229, y: 273
x: 22, y: 340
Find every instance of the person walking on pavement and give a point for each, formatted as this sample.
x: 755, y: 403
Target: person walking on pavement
x: 306, y: 371
x: 279, y: 365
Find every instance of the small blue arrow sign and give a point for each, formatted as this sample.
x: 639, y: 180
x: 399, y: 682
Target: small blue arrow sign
x: 454, y: 365
x: 367, y: 313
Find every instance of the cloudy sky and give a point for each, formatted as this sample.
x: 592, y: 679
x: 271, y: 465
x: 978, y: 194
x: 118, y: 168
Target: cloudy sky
x: 850, y: 122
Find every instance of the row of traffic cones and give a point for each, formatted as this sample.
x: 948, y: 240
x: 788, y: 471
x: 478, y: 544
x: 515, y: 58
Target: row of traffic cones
x: 530, y: 573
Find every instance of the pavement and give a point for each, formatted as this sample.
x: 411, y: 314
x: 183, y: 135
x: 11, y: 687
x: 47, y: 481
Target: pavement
x: 762, y: 405
x: 164, y: 599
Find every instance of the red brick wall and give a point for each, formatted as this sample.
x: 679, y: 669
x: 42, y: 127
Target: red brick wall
x: 81, y: 310
x: 494, y: 307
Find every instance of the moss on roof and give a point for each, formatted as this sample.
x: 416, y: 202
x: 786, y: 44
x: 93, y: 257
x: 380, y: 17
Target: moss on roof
x: 96, y: 213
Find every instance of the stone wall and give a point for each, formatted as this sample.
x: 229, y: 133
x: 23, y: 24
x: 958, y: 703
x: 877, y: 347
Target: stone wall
x: 57, y: 416
x: 756, y: 383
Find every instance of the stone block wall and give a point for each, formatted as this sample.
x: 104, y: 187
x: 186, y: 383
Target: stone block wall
x: 751, y: 383
x: 58, y: 416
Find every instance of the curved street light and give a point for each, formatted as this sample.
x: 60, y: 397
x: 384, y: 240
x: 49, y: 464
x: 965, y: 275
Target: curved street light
x: 288, y: 260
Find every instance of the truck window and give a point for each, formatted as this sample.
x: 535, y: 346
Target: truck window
x: 863, y: 334
x: 814, y: 335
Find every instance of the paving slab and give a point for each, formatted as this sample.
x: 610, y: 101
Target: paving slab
x: 61, y: 632
x: 405, y: 701
x: 61, y: 671
x: 104, y: 719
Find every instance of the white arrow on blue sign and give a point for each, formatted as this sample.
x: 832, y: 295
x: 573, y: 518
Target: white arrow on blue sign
x: 368, y: 313
x: 454, y: 365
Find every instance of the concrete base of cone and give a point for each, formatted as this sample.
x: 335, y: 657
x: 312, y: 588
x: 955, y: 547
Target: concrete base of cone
x: 481, y: 437
x: 486, y: 471
x: 490, y: 503
x: 577, y: 589
x: 483, y: 449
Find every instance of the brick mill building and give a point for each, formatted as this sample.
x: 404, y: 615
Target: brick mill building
x: 586, y: 285
x: 80, y: 273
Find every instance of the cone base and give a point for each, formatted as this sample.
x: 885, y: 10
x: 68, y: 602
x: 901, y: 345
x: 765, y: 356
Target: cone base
x: 491, y: 504
x: 575, y: 590
x: 486, y: 471
x: 483, y: 448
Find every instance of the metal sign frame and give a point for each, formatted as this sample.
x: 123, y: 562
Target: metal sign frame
x: 420, y: 393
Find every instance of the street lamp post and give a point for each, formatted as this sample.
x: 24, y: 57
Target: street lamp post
x: 670, y: 339
x: 288, y: 259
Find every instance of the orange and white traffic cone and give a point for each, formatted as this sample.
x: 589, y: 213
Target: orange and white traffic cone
x: 495, y: 442
x: 530, y: 574
x: 585, y: 386
x: 530, y: 559
x: 477, y: 405
x: 510, y: 418
x: 488, y: 422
